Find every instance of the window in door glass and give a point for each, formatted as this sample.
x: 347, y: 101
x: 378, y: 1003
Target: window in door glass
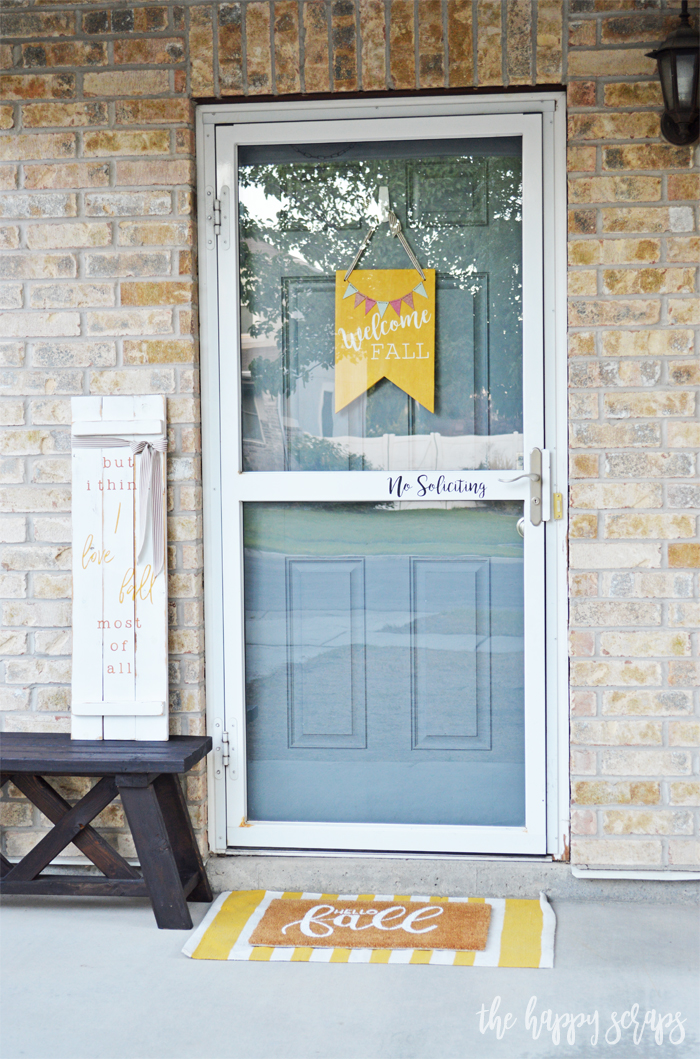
x: 303, y: 211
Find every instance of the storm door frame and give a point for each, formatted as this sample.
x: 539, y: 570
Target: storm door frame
x: 224, y: 629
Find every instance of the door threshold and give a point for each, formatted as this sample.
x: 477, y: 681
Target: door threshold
x: 248, y: 851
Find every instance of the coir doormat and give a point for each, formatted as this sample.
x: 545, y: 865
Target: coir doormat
x: 376, y: 928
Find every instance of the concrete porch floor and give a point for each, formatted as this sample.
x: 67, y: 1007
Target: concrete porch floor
x: 94, y: 978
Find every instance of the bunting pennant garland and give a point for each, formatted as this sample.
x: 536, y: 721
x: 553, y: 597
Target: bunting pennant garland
x: 371, y: 345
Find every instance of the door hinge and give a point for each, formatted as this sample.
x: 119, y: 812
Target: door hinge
x: 217, y: 217
x: 225, y: 746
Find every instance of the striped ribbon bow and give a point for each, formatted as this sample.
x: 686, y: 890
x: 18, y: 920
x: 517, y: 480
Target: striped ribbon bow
x: 150, y: 486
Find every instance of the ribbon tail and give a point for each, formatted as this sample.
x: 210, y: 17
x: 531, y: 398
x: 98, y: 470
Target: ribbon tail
x: 144, y: 488
x: 157, y: 513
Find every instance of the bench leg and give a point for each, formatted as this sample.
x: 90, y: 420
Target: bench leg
x: 182, y: 836
x: 158, y: 864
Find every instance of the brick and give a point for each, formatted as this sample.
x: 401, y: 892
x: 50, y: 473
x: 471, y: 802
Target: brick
x: 644, y: 644
x: 607, y: 613
x: 52, y: 412
x: 129, y: 322
x: 625, y: 126
x: 684, y: 733
x: 488, y: 42
x: 44, y: 115
x: 156, y: 293
x: 32, y: 557
x: 52, y: 586
x: 12, y: 643
x: 618, y: 435
x: 601, y: 313
x: 9, y: 237
x: 74, y: 354
x: 599, y: 555
x: 615, y: 189
x: 431, y: 52
x: 625, y: 405
x: 582, y: 283
x: 612, y: 63
x: 31, y: 24
x: 153, y: 51
x: 25, y: 442
x: 583, y: 465
x: 14, y: 698
x: 10, y: 296
x: 615, y: 853
x: 169, y: 351
x: 646, y: 343
x: 649, y: 280
x: 549, y: 42
x: 647, y: 585
x: 178, y: 233
x: 201, y: 48
x: 684, y: 793
x: 31, y: 325
x: 126, y: 83
x: 34, y: 498
x: 54, y: 236
x: 684, y: 673
x: 581, y: 93
x: 683, y: 853
x: 373, y: 53
x: 651, y: 822
x: 11, y: 356
x: 683, y: 249
x: 19, y: 148
x: 68, y: 53
x: 156, y: 263
x: 142, y: 142
x: 600, y: 674
x: 581, y: 159
x: 666, y: 527
x: 9, y: 177
x: 683, y: 555
x: 633, y: 94
x: 133, y: 381
x: 631, y: 251
x: 684, y: 496
x: 128, y: 203
x: 36, y: 614
x: 71, y: 295
x: 584, y: 251
x: 682, y: 435
x: 7, y: 114
x: 37, y: 86
x: 630, y: 762
x: 641, y: 703
x: 164, y: 172
x: 684, y: 310
x: 647, y: 156
x: 627, y: 29
x: 259, y: 57
x: 24, y: 207
x: 12, y: 530
x: 37, y: 671
x: 155, y: 111
x: 55, y: 529
x: 67, y: 175
x: 648, y: 465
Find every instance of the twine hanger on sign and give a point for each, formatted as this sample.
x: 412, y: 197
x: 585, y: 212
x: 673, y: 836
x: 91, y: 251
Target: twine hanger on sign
x: 385, y: 214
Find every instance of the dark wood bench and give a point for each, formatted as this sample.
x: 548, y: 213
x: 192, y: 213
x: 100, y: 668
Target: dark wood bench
x: 145, y: 775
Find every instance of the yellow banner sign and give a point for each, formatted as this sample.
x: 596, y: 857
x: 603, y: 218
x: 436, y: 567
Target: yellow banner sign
x: 385, y: 328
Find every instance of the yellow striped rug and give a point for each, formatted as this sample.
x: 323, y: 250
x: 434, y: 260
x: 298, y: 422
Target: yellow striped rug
x: 521, y: 933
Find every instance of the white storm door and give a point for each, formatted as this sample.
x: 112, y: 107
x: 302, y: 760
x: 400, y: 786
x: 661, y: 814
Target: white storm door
x: 384, y: 627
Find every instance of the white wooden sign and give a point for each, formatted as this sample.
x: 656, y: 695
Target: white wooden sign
x: 120, y: 634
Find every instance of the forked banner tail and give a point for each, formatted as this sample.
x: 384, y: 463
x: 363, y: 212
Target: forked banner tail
x: 385, y: 328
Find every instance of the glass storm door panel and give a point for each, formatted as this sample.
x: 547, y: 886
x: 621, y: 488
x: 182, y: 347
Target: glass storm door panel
x: 386, y: 626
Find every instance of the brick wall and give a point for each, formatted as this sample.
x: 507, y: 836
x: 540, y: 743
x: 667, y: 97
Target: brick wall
x: 634, y: 313
x: 98, y: 296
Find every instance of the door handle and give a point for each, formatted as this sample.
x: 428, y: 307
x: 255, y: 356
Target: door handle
x: 535, y: 477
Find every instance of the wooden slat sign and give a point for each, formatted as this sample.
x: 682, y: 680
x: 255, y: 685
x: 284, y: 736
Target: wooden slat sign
x: 120, y: 645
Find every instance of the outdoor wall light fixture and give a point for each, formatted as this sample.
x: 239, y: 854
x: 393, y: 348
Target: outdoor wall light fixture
x: 678, y: 59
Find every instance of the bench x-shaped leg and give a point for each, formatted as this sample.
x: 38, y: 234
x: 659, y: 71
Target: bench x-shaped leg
x: 71, y: 825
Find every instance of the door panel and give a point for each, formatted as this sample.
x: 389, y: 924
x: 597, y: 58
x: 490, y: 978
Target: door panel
x: 392, y: 644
